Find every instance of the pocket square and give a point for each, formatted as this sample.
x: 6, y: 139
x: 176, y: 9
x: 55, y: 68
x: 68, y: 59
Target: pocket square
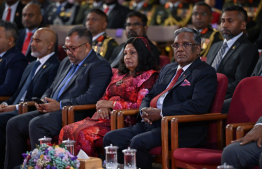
x: 185, y: 83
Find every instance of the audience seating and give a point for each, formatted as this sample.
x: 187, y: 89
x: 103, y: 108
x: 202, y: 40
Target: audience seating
x: 245, y: 107
x: 4, y: 98
x: 164, y: 60
x: 162, y: 154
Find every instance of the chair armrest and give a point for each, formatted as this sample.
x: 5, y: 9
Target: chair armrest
x: 241, y: 130
x: 71, y: 111
x: 122, y: 113
x: 175, y: 120
x: 4, y: 98
x: 25, y: 106
x: 114, y: 119
x: 230, y: 128
x: 20, y: 108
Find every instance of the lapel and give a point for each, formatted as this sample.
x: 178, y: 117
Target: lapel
x: 44, y: 67
x: 215, y: 51
x: 230, y: 52
x: 26, y: 74
x: 79, y: 71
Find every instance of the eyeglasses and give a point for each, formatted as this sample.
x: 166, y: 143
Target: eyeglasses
x: 199, y: 13
x: 72, y: 49
x: 136, y: 24
x: 185, y: 45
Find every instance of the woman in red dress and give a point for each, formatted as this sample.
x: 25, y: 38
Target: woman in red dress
x: 134, y: 78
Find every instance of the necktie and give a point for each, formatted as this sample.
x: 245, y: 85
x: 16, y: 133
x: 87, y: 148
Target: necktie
x: 173, y: 82
x: 219, y: 56
x: 62, y: 85
x: 27, y: 83
x: 8, y: 16
x: 106, y: 9
x: 26, y: 42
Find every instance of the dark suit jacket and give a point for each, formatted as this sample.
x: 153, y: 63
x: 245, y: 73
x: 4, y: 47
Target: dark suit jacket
x: 20, y: 42
x: 238, y: 62
x: 18, y: 14
x: 41, y: 81
x: 12, y: 67
x: 258, y: 69
x: 87, y: 85
x: 195, y: 98
x: 117, y: 17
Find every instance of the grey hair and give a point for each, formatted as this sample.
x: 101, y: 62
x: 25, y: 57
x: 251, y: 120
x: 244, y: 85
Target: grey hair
x: 197, y: 36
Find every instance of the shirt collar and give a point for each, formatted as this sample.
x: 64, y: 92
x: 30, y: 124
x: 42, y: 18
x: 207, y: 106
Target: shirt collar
x: 97, y: 36
x: 33, y: 31
x: 45, y: 58
x: 185, y: 67
x: 230, y: 42
x: 2, y: 54
x: 13, y: 7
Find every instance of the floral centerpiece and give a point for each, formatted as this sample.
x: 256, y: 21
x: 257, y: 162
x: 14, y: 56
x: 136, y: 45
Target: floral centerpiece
x: 50, y: 157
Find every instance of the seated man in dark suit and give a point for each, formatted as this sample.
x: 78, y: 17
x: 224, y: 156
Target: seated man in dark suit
x: 234, y: 57
x: 12, y: 61
x: 96, y: 22
x: 135, y: 27
x: 31, y: 20
x: 183, y: 88
x: 245, y: 152
x: 81, y: 79
x: 37, y: 77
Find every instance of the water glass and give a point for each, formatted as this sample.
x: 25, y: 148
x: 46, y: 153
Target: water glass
x: 129, y: 158
x: 225, y: 166
x: 69, y: 144
x: 111, y: 157
x: 45, y: 140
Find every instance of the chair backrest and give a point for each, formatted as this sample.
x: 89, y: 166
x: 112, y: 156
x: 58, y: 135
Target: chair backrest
x: 246, y: 101
x: 216, y: 107
x: 163, y: 60
x: 118, y: 34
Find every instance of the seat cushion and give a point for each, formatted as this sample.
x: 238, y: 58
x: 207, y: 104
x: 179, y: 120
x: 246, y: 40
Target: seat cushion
x: 156, y: 151
x: 198, y: 156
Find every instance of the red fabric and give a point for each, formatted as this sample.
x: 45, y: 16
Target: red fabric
x: 154, y: 100
x: 164, y: 60
x: 8, y: 16
x: 106, y: 10
x: 26, y: 42
x: 156, y: 151
x: 198, y: 156
x: 128, y: 95
x: 216, y: 17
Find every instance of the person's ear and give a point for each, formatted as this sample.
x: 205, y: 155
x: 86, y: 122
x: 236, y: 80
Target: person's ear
x: 243, y: 25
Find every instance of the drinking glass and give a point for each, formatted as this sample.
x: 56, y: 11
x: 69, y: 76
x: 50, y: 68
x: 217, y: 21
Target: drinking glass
x: 129, y: 158
x: 111, y: 157
x: 45, y: 140
x: 69, y: 144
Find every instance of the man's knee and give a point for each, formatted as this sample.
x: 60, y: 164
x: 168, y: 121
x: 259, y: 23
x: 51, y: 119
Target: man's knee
x: 33, y: 125
x: 230, y: 152
x: 138, y: 142
x: 11, y: 125
x: 107, y: 138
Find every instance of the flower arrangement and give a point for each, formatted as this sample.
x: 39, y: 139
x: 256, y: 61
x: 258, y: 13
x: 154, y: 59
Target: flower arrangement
x: 50, y: 157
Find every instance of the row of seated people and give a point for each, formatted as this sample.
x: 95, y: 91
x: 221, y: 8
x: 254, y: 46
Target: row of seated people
x: 177, y: 45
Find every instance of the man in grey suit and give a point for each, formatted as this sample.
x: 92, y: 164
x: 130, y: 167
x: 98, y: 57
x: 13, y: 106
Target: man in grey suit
x: 234, y: 57
x: 246, y: 151
x: 81, y: 79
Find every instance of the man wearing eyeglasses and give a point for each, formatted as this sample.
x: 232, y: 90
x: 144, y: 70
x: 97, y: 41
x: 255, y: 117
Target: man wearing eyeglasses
x: 201, y: 19
x: 81, y: 79
x: 183, y: 88
x: 135, y: 27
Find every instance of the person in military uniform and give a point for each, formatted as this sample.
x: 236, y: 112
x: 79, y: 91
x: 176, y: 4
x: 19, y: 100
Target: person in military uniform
x: 85, y: 7
x: 61, y: 12
x: 96, y: 23
x: 174, y: 12
x: 201, y: 19
x: 142, y: 6
x: 254, y: 12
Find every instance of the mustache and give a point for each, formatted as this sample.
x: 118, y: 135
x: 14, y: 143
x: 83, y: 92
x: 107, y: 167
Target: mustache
x: 131, y: 33
x: 226, y: 30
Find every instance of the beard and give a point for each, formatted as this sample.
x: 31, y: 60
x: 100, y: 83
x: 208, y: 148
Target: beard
x: 227, y: 34
x: 131, y: 34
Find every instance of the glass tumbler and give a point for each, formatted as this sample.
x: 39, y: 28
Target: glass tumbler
x: 225, y: 166
x: 129, y: 158
x: 111, y: 157
x: 69, y: 144
x: 45, y: 140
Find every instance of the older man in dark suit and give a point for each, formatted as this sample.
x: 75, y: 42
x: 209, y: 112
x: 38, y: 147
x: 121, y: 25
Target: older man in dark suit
x: 12, y: 61
x: 234, y: 57
x: 183, y: 88
x: 81, y: 79
x: 37, y: 77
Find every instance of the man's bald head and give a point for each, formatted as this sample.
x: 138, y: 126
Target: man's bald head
x: 43, y: 42
x: 31, y: 16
